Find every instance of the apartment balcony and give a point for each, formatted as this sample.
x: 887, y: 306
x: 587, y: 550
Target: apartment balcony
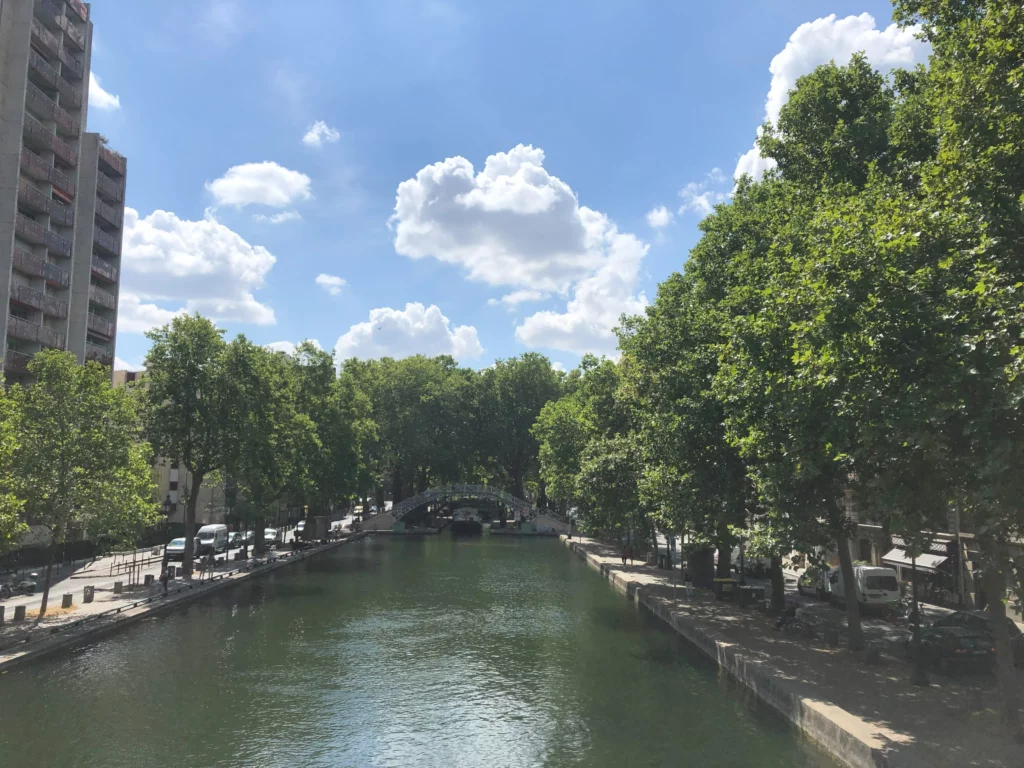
x: 104, y: 270
x: 45, y: 39
x: 41, y: 72
x: 28, y: 230
x: 102, y: 298
x: 109, y: 189
x: 20, y: 328
x: 73, y: 33
x: 69, y: 95
x: 45, y: 108
x: 16, y: 362
x: 109, y: 214
x: 33, y: 166
x: 100, y: 327
x: 98, y: 354
x: 50, y: 12
x: 58, y: 244
x: 35, y: 266
x: 39, y: 138
x: 107, y: 243
x: 31, y: 198
x: 115, y: 161
x: 33, y: 299
x: 80, y: 9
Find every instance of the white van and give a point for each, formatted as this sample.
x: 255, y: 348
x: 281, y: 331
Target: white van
x: 212, y: 539
x: 876, y: 585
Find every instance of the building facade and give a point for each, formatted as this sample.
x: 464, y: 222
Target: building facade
x: 61, y: 191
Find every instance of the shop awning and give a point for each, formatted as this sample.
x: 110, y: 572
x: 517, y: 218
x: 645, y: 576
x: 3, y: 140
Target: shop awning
x: 925, y: 562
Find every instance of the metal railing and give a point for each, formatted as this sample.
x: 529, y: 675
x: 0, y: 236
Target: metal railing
x: 16, y: 361
x: 39, y: 65
x: 72, y: 64
x: 57, y: 243
x: 29, y: 230
x: 104, y: 298
x: 40, y: 170
x: 110, y: 214
x: 37, y: 135
x: 109, y: 188
x: 36, y: 266
x: 448, y: 492
x: 20, y: 328
x: 43, y: 106
x: 32, y: 197
x: 98, y: 325
x: 69, y: 95
x: 98, y: 354
x: 44, y: 38
x: 106, y: 242
x: 30, y: 297
x: 80, y: 8
x: 104, y: 269
x: 117, y: 162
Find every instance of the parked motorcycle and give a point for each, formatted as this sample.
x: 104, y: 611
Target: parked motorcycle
x: 26, y: 586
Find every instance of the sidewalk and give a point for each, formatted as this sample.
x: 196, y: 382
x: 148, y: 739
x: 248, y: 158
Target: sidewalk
x: 864, y: 714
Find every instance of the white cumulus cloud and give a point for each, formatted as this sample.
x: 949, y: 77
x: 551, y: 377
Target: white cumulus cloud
x: 414, y: 330
x: 277, y: 218
x: 198, y: 266
x: 320, y: 133
x: 288, y: 347
x: 702, y: 196
x: 821, y: 41
x: 513, y: 223
x: 99, y: 98
x: 514, y: 299
x: 330, y: 283
x: 659, y: 217
x: 265, y: 183
x: 597, y: 303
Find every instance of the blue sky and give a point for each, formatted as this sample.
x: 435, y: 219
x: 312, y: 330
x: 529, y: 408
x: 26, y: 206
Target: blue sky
x: 321, y: 170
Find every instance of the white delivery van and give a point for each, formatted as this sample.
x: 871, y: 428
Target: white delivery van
x: 213, y: 538
x: 876, y: 585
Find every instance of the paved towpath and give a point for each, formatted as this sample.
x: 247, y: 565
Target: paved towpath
x: 952, y: 723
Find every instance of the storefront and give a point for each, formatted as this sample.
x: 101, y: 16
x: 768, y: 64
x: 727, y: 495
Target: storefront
x: 936, y: 570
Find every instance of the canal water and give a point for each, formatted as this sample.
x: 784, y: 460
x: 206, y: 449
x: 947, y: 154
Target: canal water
x: 495, y: 652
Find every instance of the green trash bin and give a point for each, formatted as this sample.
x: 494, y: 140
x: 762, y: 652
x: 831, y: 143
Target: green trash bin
x: 725, y: 589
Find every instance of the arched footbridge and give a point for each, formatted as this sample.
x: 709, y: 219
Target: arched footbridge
x: 406, y: 510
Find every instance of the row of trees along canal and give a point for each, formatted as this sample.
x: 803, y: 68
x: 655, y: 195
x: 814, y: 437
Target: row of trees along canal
x: 849, y: 328
x: 276, y: 429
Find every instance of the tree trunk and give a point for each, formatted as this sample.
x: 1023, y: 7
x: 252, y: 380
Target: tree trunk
x: 995, y: 589
x: 259, y: 544
x: 517, y: 485
x: 190, y: 523
x: 778, y: 585
x: 855, y: 635
x: 50, y: 552
x: 542, y: 494
x: 379, y: 492
x: 724, y: 568
x: 654, y: 541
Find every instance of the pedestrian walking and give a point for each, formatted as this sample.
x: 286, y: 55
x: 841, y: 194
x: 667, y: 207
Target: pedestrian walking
x: 164, y: 577
x: 624, y: 548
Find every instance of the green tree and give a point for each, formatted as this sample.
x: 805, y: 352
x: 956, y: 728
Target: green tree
x: 513, y: 393
x: 184, y: 375
x: 268, y: 440
x: 81, y: 460
x: 12, y: 523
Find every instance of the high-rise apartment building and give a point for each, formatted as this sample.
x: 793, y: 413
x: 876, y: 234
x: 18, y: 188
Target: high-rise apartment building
x: 61, y: 191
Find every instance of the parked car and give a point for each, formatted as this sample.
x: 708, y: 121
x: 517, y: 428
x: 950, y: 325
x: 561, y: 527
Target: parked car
x: 235, y: 539
x: 981, y: 622
x: 213, y: 538
x: 176, y: 548
x: 269, y: 536
x: 876, y: 586
x: 951, y: 648
x: 810, y: 582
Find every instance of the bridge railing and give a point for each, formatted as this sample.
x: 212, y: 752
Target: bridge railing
x: 462, y: 491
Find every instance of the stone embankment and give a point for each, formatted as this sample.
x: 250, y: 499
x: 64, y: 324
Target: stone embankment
x: 864, y: 715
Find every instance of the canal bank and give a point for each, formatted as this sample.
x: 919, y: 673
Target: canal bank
x: 864, y: 716
x: 43, y: 642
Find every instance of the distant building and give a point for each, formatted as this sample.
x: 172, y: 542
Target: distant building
x: 61, y: 191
